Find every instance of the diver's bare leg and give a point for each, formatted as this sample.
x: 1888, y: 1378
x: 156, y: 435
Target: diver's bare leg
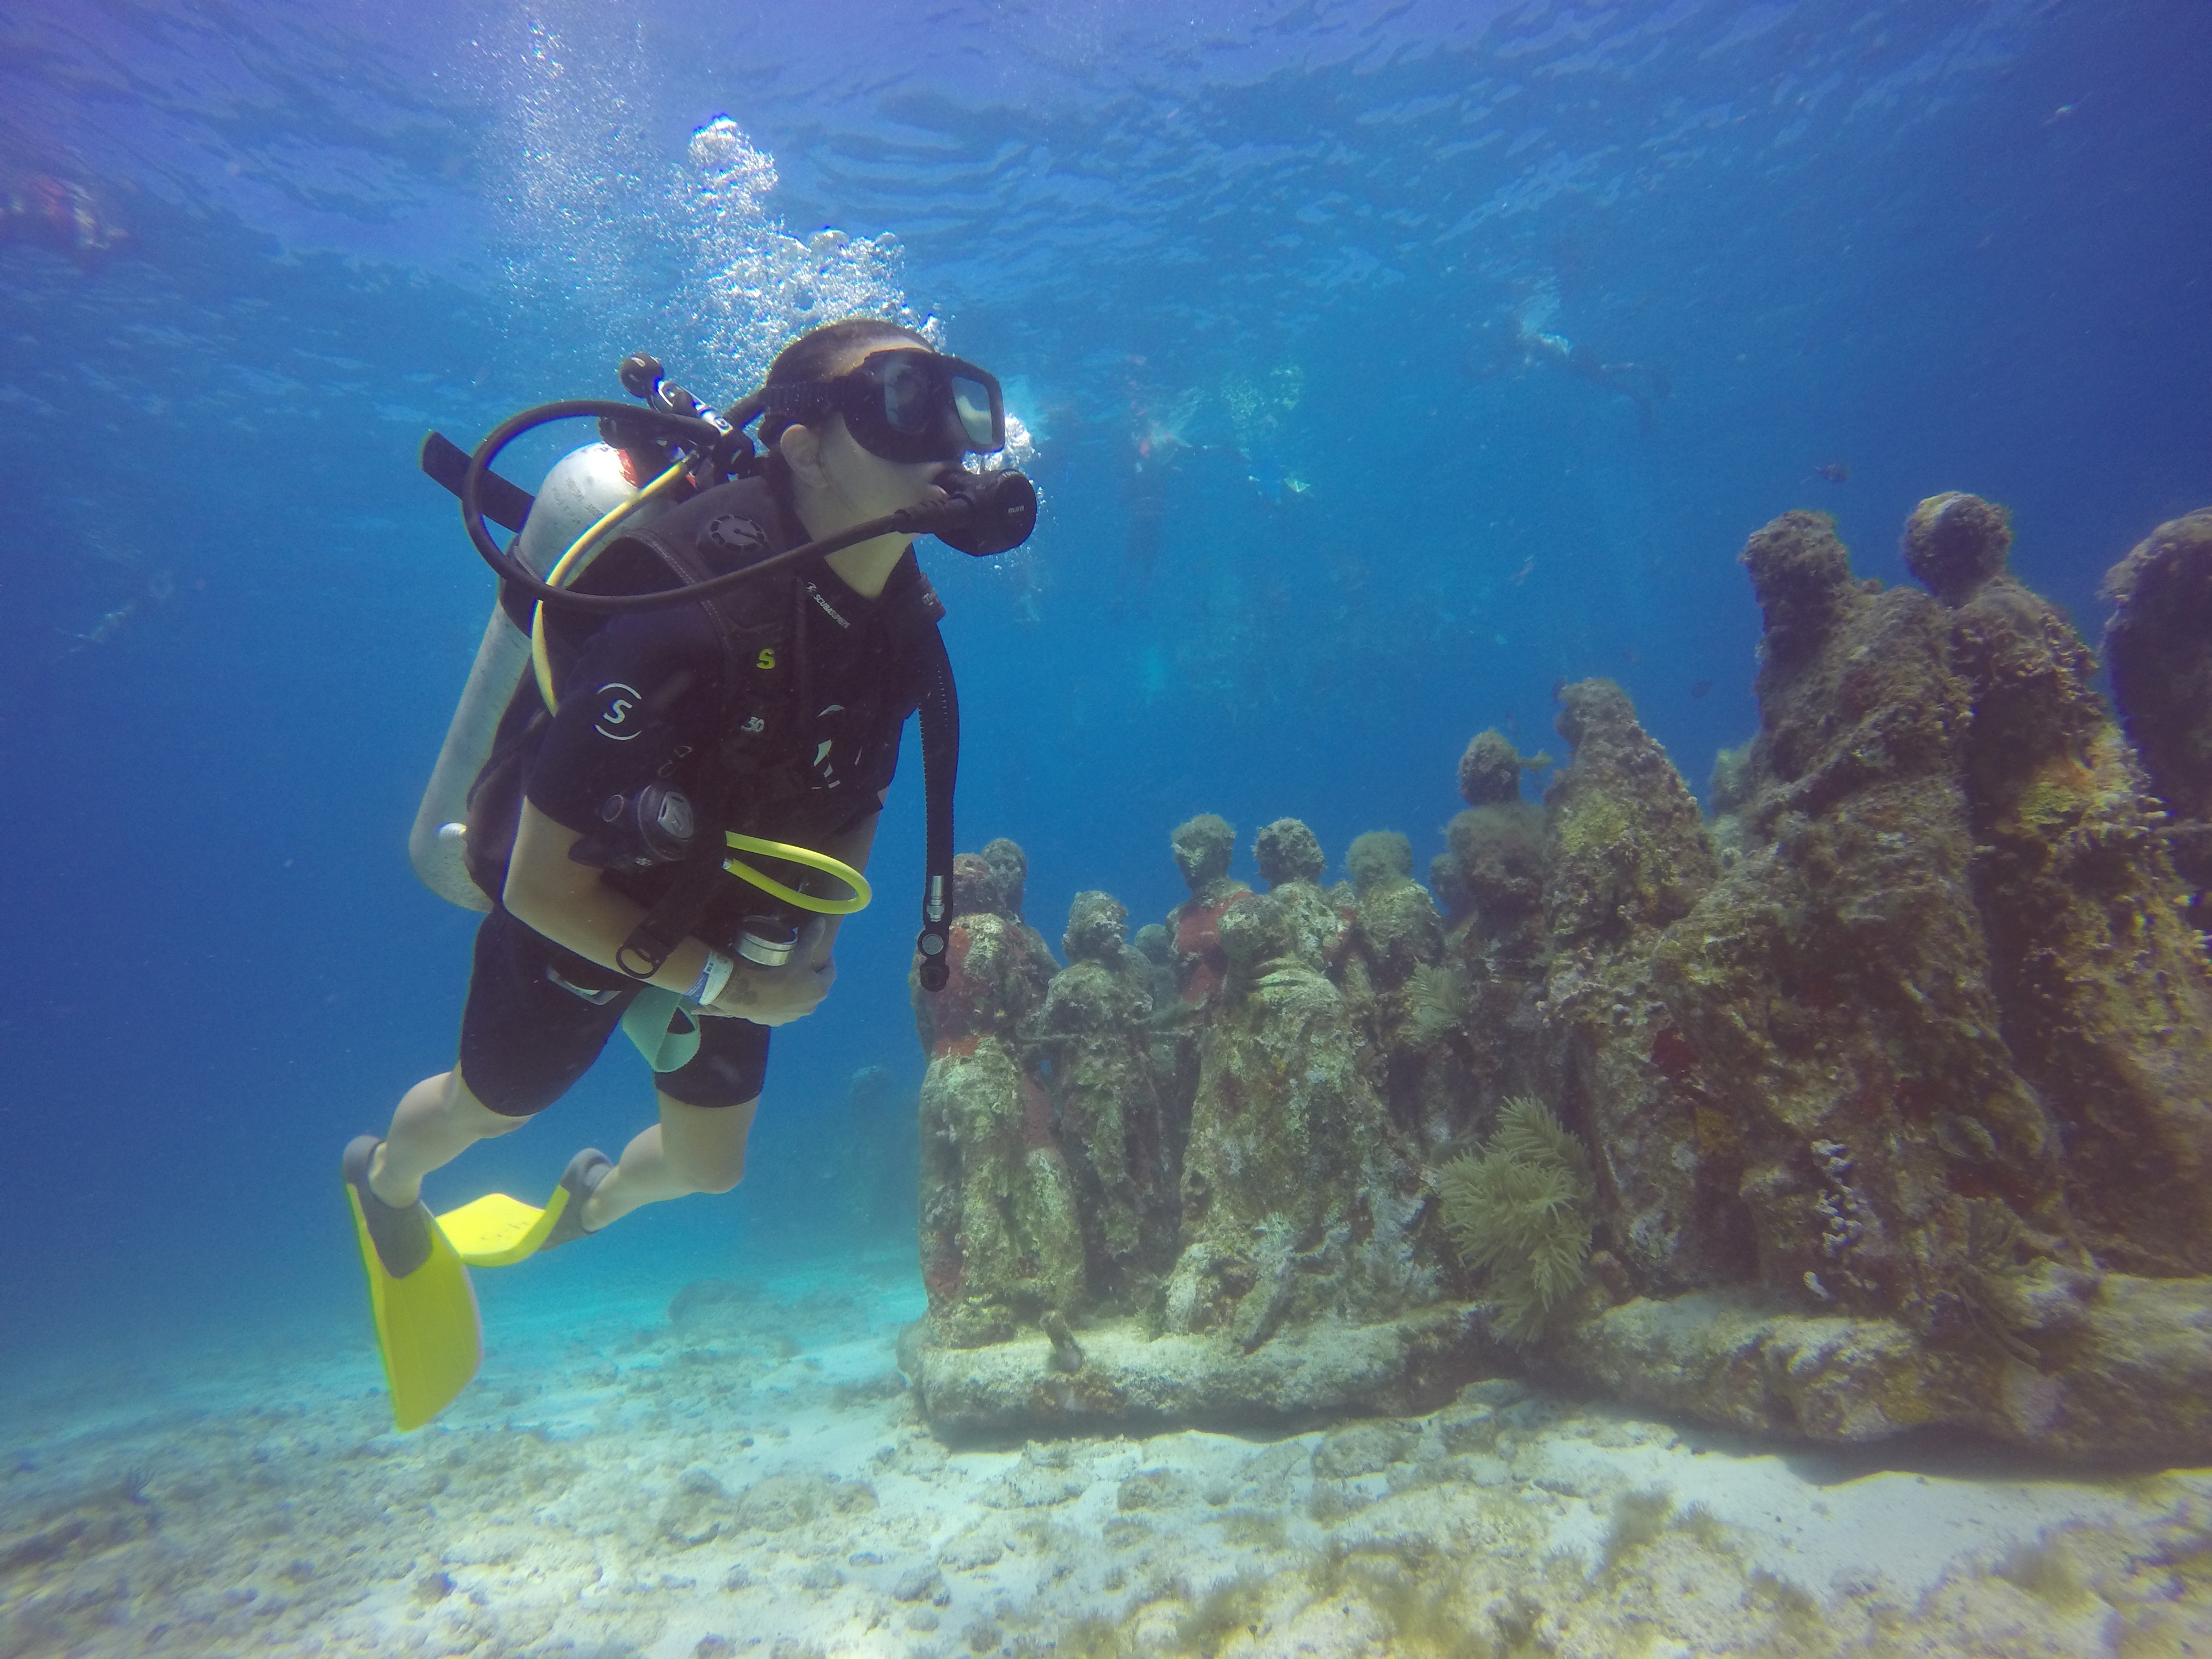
x: 693, y: 1149
x: 438, y: 1120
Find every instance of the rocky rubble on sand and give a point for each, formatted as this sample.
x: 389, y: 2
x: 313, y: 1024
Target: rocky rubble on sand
x: 1894, y: 1075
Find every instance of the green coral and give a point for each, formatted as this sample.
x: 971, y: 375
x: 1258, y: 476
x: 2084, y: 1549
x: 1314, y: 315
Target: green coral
x: 1591, y: 824
x: 1521, y: 1214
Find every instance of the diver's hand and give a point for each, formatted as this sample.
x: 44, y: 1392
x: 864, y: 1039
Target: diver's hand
x: 774, y: 996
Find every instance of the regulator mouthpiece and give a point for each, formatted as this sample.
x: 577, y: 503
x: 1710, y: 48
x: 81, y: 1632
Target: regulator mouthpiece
x: 985, y: 512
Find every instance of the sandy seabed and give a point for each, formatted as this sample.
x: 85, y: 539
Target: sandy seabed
x: 755, y: 1478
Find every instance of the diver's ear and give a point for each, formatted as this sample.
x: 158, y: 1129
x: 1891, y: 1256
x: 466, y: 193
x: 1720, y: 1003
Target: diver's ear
x: 801, y: 449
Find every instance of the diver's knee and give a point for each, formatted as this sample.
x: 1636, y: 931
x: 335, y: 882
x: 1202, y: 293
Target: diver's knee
x: 462, y: 1104
x: 704, y: 1147
x: 718, y: 1174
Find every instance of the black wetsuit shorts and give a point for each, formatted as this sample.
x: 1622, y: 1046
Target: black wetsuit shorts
x: 538, y: 1014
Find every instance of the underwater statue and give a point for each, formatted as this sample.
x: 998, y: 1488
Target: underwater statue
x: 1000, y: 1241
x: 1881, y: 1099
x: 2159, y: 648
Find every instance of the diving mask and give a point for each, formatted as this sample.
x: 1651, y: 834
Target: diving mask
x: 905, y: 405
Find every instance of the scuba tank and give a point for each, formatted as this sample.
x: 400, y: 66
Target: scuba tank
x: 583, y: 486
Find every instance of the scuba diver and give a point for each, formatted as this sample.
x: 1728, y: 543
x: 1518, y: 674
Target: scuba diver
x: 757, y: 705
x: 1534, y: 341
x: 1643, y: 384
x: 59, y: 214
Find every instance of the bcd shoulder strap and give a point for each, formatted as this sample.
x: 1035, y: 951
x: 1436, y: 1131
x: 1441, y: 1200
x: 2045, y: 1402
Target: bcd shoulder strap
x: 716, y: 531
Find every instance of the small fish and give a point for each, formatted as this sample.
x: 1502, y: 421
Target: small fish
x: 1698, y: 688
x: 1834, y: 472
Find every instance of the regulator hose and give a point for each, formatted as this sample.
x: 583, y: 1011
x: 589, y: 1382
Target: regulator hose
x: 981, y: 513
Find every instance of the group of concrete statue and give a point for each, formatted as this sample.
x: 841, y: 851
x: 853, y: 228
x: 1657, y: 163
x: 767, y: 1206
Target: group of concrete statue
x: 1876, y: 1095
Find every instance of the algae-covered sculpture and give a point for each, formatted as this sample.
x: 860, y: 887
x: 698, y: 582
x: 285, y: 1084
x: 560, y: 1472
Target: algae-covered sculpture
x: 1490, y: 770
x: 1202, y: 847
x: 1291, y: 860
x: 1000, y: 1242
x: 1286, y: 850
x: 1495, y: 858
x: 1892, y: 1086
x: 1519, y: 1213
x: 1625, y: 856
x: 1493, y: 864
x: 1378, y: 859
x: 1291, y: 1152
x: 2104, y: 983
x: 1399, y: 926
x: 1111, y: 1103
x: 1450, y: 889
x: 2159, y: 648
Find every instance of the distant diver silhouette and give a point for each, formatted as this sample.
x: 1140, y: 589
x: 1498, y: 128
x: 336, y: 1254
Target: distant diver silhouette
x: 62, y: 215
x: 1156, y: 447
x: 1644, y: 385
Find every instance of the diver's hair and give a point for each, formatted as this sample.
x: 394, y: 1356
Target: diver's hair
x: 813, y: 355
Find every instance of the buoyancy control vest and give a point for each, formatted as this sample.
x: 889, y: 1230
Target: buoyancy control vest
x: 756, y: 774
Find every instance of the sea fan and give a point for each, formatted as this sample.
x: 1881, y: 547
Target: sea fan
x: 1436, y: 997
x: 1530, y: 1134
x: 1519, y: 1213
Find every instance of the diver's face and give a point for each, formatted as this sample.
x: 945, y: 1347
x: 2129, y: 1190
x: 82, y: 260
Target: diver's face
x: 852, y: 482
x: 866, y: 480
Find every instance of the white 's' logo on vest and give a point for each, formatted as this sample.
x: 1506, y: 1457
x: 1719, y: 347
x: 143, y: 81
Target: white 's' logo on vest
x: 614, y: 718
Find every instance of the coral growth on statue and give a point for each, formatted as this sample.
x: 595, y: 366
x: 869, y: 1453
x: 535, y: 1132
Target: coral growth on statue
x: 1880, y: 1098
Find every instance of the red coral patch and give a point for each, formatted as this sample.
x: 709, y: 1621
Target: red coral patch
x: 1672, y: 1053
x: 954, y: 1016
x: 1036, y: 1116
x: 1198, y: 942
x: 943, y: 1268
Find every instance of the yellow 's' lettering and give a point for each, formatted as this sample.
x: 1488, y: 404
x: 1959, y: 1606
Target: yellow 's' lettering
x: 766, y: 660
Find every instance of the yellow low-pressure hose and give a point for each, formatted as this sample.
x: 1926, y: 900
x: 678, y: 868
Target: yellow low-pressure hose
x: 836, y: 869
x: 573, y: 564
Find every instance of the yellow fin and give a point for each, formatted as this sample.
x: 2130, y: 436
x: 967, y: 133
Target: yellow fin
x: 498, y: 1232
x: 426, y: 1326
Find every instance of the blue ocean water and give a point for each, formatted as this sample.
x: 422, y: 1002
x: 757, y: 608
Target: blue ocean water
x: 1947, y: 245
x: 1387, y: 364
